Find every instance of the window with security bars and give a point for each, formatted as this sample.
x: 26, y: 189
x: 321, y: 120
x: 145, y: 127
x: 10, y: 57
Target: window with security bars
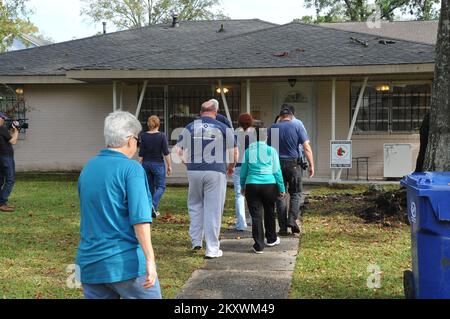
x: 178, y: 105
x: 13, y: 105
x: 153, y: 104
x: 392, y: 107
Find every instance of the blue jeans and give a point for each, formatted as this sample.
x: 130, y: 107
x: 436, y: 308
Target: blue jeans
x: 241, y: 223
x: 130, y: 289
x: 7, y: 177
x: 156, y: 175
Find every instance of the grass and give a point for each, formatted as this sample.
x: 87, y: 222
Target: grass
x: 40, y: 239
x: 337, y: 248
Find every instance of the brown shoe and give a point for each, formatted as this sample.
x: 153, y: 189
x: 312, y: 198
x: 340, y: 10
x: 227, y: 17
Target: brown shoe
x: 6, y: 208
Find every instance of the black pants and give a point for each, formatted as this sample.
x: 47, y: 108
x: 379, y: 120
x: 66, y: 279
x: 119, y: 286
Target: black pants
x: 292, y: 175
x: 261, y: 200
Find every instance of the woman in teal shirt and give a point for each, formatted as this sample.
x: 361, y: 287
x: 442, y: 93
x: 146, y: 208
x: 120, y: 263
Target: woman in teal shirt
x: 261, y: 183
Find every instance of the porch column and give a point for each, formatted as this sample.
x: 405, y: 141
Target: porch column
x: 333, y: 120
x: 225, y: 104
x: 121, y: 97
x: 248, y: 96
x: 141, y: 99
x: 355, y: 116
x: 114, y: 96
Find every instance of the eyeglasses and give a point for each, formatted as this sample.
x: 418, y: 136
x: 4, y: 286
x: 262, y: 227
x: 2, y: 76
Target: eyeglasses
x: 138, y: 143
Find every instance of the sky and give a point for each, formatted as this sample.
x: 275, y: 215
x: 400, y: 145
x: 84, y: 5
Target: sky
x: 61, y: 21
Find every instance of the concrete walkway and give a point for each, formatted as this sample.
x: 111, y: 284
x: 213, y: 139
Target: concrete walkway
x: 242, y: 274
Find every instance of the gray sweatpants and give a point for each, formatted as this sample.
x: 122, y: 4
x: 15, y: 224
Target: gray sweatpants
x: 206, y: 200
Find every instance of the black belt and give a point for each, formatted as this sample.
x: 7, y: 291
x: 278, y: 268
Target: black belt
x: 284, y: 160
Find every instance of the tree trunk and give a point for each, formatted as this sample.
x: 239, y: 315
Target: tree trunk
x: 437, y: 157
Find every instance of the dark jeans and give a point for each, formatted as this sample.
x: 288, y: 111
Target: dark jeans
x: 292, y: 175
x: 261, y: 205
x: 156, y: 175
x: 7, y: 177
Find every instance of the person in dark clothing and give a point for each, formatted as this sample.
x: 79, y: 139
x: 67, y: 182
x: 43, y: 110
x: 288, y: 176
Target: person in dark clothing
x: 7, y: 164
x: 154, y: 151
x: 290, y: 137
x: 424, y: 131
x: 223, y: 120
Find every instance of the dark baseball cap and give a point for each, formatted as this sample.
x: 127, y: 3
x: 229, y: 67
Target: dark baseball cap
x: 286, y: 111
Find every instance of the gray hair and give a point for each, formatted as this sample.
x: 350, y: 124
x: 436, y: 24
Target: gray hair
x: 210, y: 106
x: 119, y: 126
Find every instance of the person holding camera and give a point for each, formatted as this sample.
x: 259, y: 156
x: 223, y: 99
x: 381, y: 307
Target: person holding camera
x: 8, y: 138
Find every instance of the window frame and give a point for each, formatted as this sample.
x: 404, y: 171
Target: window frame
x: 390, y: 120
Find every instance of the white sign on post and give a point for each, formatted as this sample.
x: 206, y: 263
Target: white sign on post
x: 341, y: 154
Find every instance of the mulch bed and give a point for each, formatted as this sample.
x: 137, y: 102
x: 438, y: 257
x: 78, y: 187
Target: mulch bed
x: 375, y: 206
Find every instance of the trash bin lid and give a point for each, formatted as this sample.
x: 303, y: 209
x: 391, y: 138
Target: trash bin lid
x: 427, y: 180
x: 435, y: 186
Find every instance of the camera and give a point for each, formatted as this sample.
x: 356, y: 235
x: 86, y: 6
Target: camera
x: 303, y: 162
x: 18, y: 124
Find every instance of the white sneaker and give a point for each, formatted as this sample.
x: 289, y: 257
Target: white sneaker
x: 276, y: 243
x: 257, y: 251
x: 218, y: 255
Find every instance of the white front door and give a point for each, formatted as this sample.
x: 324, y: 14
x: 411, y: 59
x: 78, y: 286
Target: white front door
x: 301, y: 97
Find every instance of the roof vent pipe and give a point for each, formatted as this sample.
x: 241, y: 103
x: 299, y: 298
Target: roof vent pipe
x: 104, y: 27
x: 175, y: 22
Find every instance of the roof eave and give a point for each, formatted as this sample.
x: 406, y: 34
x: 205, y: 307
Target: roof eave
x: 86, y: 75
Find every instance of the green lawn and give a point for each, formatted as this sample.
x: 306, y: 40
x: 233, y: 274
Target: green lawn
x: 337, y: 248
x: 40, y: 239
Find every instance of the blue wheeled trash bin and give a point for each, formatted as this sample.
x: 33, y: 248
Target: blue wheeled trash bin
x: 429, y: 216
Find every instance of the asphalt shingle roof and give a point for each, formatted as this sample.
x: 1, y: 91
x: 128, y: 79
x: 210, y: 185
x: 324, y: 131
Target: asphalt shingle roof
x: 198, y: 45
x: 55, y: 59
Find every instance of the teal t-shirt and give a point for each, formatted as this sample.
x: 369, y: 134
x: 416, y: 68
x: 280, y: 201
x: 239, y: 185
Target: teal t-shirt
x: 261, y: 165
x: 114, y: 196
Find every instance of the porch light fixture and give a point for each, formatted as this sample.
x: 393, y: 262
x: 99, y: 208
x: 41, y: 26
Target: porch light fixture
x: 225, y: 90
x: 383, y: 88
x: 19, y: 91
x: 292, y: 82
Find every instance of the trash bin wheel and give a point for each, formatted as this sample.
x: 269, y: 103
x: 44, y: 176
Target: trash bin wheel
x: 408, y: 284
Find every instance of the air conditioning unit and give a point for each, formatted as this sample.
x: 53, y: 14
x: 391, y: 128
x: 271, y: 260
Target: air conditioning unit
x: 397, y: 160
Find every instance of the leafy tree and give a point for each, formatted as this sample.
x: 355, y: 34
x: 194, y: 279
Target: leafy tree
x: 361, y: 10
x: 127, y: 14
x: 14, y: 21
x: 423, y: 9
x: 437, y: 157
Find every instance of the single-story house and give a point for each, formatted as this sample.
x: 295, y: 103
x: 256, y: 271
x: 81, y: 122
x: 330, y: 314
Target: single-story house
x: 67, y: 89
